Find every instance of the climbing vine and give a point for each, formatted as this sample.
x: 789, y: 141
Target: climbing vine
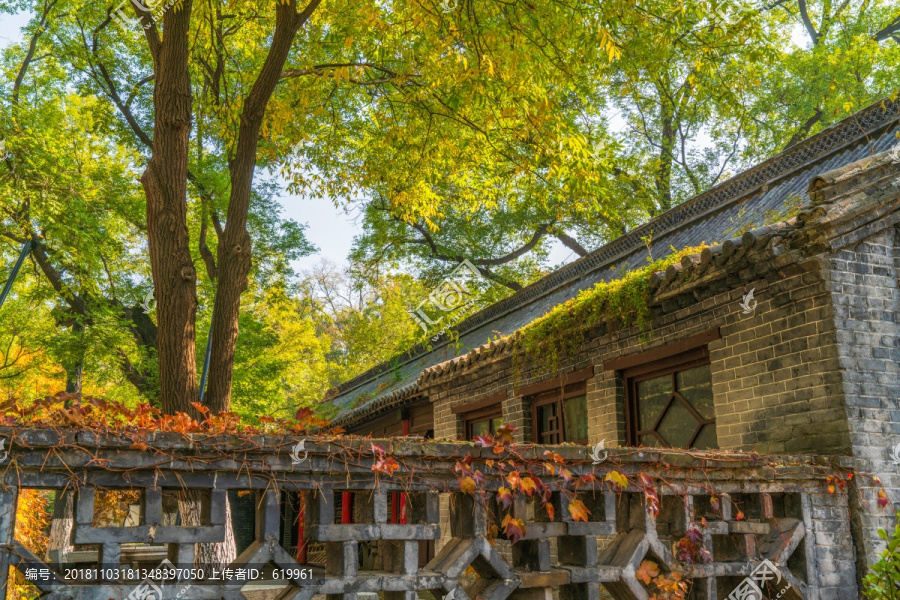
x: 624, y: 301
x: 496, y: 472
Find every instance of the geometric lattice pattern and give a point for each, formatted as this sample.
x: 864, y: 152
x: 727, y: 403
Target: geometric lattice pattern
x: 745, y: 522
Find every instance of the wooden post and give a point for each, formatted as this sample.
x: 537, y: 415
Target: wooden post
x: 301, y: 530
x: 346, y: 508
x: 8, y: 502
x: 402, y: 516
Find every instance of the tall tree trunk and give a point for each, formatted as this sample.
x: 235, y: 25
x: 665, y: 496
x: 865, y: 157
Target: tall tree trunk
x: 191, y: 507
x: 59, y: 543
x: 165, y: 186
x: 75, y: 366
x: 234, y: 245
x: 666, y: 156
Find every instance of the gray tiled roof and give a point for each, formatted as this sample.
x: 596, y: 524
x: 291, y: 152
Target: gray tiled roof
x: 772, y: 186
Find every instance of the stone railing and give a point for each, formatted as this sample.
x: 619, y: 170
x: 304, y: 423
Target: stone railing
x: 738, y: 511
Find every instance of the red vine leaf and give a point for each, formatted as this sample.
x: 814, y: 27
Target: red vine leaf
x: 505, y: 497
x: 526, y: 484
x: 513, y: 528
x: 483, y: 441
x: 386, y: 465
x: 647, y: 571
x: 479, y: 478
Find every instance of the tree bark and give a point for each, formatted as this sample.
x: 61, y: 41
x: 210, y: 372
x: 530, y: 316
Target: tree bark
x: 666, y: 155
x: 165, y: 187
x: 233, y: 251
x: 59, y: 543
x: 191, y: 505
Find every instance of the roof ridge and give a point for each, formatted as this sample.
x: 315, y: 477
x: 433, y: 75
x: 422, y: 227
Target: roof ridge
x: 827, y: 142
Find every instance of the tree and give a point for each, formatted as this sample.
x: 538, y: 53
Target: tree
x: 840, y: 60
x: 362, y: 315
x: 226, y: 78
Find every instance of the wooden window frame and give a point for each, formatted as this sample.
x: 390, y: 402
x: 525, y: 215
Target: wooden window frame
x: 484, y: 414
x: 557, y: 397
x: 670, y: 365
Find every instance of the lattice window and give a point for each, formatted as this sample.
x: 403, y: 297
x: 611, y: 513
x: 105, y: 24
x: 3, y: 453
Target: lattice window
x: 670, y: 402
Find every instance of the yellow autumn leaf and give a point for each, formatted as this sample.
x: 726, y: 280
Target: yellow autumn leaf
x: 578, y: 511
x: 617, y: 479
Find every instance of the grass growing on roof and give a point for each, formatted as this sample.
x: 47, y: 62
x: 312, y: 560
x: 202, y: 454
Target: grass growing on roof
x: 624, y: 301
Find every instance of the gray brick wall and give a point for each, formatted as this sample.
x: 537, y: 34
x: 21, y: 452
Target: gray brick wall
x: 863, y: 281
x: 776, y: 375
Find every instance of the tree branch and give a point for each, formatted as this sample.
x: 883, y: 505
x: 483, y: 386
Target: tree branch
x: 801, y: 134
x: 889, y: 30
x: 807, y: 22
x: 32, y: 48
x: 570, y: 243
x: 494, y: 262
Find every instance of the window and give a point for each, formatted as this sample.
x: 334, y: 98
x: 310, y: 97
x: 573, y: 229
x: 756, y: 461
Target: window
x: 560, y: 415
x: 482, y: 417
x: 669, y: 402
x: 483, y: 422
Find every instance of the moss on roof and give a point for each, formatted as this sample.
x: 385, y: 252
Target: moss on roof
x: 624, y: 301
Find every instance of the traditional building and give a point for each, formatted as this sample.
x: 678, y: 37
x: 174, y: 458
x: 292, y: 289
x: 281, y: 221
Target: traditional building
x: 781, y: 335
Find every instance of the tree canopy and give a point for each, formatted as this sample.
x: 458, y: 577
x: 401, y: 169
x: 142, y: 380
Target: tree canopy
x: 149, y: 146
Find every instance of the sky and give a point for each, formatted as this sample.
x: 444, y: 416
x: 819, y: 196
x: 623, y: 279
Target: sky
x: 329, y: 228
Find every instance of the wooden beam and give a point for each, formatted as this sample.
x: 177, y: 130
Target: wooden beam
x: 479, y: 404
x: 673, y: 349
x: 557, y: 382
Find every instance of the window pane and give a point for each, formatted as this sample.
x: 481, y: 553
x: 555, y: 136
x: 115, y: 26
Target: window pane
x: 649, y: 441
x: 652, y: 397
x: 480, y: 428
x: 496, y: 423
x: 707, y: 438
x: 678, y: 425
x: 695, y: 386
x: 547, y: 417
x: 575, y: 419
x: 548, y: 421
